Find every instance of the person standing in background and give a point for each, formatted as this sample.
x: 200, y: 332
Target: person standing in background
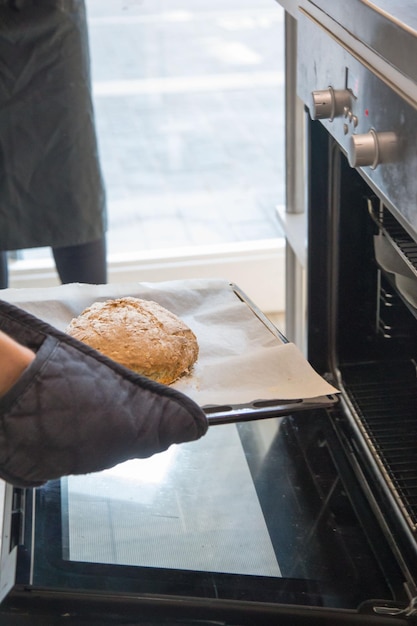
x: 51, y: 188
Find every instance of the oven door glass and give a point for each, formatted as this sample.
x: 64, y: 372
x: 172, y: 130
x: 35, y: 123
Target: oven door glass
x: 254, y: 511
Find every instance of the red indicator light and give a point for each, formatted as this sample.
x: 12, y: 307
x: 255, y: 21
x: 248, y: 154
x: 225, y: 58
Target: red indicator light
x: 366, y: 112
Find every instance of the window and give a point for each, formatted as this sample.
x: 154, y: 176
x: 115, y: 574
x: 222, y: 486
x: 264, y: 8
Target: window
x: 189, y: 103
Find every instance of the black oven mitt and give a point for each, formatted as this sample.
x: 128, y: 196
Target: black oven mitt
x: 74, y: 411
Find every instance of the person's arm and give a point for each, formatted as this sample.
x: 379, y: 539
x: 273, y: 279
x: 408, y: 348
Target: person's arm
x: 14, y: 359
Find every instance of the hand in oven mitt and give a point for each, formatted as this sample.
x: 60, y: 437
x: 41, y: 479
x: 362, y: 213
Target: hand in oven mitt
x: 74, y: 411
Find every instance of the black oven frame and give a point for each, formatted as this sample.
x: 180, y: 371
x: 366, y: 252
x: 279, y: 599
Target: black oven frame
x: 342, y: 329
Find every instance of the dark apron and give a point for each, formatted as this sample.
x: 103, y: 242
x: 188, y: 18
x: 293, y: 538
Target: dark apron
x: 51, y: 189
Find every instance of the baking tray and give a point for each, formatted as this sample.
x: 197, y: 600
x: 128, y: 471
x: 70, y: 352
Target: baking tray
x: 264, y: 409
x: 246, y: 370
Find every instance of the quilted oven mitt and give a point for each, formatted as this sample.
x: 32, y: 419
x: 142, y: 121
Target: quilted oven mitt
x: 74, y: 411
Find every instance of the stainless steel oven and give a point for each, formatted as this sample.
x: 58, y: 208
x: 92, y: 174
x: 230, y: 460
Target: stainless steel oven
x: 290, y: 514
x: 362, y: 234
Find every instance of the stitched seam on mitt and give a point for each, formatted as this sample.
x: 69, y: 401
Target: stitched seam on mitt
x: 30, y: 375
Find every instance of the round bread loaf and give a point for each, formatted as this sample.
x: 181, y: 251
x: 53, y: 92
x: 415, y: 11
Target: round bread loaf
x: 139, y: 334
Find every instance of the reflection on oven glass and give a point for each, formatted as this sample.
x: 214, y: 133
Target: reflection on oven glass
x: 256, y: 510
x: 193, y: 507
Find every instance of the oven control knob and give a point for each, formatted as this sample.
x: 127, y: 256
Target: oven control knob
x: 372, y: 149
x: 329, y: 103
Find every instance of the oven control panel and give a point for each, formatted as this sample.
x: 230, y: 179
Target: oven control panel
x: 367, y: 149
x: 373, y: 125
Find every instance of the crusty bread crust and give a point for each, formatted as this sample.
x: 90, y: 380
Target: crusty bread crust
x: 140, y: 334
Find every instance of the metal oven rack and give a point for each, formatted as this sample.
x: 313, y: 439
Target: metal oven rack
x: 382, y: 395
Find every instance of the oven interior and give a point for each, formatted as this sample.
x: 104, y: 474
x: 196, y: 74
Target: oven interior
x: 362, y: 283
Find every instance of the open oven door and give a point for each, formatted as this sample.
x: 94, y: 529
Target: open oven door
x: 260, y: 522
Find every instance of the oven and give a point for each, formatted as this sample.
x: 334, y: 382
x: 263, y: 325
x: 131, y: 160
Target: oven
x: 285, y: 513
x: 362, y: 241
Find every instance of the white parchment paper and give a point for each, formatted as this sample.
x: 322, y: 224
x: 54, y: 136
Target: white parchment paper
x: 240, y: 359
